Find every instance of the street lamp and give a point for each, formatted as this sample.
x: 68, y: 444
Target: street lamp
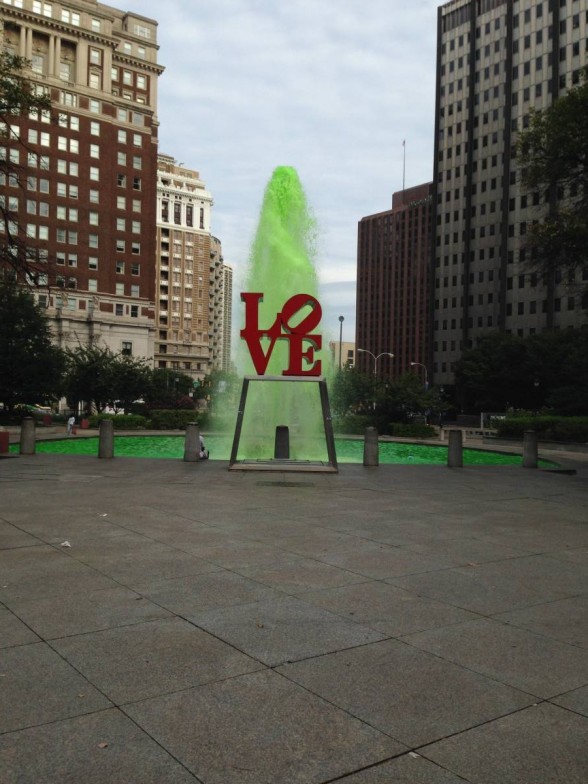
x: 341, y: 320
x: 374, y: 357
x: 424, y: 367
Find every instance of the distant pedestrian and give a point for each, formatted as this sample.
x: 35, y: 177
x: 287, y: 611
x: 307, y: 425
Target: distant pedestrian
x: 203, y: 450
x: 70, y: 425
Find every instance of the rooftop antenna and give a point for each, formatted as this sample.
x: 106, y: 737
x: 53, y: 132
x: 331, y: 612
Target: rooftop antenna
x: 403, y: 162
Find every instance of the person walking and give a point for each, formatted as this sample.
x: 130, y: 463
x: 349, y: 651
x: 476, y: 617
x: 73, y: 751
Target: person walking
x: 70, y: 424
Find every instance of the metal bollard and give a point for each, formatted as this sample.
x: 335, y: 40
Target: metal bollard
x: 282, y: 443
x: 530, y: 451
x: 192, y: 443
x: 106, y: 439
x: 455, y: 449
x: 371, y: 454
x: 27, y: 436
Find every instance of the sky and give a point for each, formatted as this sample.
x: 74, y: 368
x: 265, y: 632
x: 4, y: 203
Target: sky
x: 330, y: 87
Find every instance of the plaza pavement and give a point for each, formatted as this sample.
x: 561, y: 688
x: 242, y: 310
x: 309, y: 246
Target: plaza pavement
x: 164, y: 622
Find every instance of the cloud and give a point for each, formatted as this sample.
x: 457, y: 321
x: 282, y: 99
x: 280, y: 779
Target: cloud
x: 331, y: 88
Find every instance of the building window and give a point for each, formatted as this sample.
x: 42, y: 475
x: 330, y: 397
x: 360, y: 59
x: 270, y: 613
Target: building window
x: 92, y: 284
x: 118, y: 309
x: 120, y: 267
x: 93, y: 262
x: 127, y: 348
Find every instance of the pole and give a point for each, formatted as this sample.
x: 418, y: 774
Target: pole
x: 341, y: 320
x: 403, y: 162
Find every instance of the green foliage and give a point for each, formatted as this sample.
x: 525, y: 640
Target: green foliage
x: 121, y: 421
x: 172, y: 419
x: 351, y: 391
x: 167, y: 388
x: 31, y: 368
x: 549, y: 428
x: 547, y: 370
x: 352, y: 424
x: 17, y: 98
x: 100, y: 378
x: 401, y: 430
x: 553, y: 153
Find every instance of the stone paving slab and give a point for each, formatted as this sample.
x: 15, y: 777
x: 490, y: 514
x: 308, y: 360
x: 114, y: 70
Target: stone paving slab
x: 38, y: 687
x: 409, y: 769
x: 565, y: 620
x: 53, y: 616
x: 186, y: 584
x: 148, y: 659
x: 103, y: 748
x: 527, y: 661
x: 275, y: 631
x: 409, y: 694
x: 541, y: 744
x: 261, y: 729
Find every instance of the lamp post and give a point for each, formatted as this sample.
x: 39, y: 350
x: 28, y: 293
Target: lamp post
x: 341, y: 320
x: 424, y: 367
x: 375, y: 358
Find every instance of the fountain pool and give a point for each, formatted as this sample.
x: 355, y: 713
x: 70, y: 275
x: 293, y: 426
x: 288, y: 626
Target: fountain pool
x: 349, y: 450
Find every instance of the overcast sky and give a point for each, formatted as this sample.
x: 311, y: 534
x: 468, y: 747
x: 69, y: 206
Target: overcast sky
x: 331, y: 87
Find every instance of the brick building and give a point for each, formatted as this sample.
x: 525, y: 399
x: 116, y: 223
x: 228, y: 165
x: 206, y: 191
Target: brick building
x: 392, y: 284
x: 86, y: 195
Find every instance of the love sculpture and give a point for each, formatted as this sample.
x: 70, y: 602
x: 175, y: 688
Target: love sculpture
x: 300, y: 332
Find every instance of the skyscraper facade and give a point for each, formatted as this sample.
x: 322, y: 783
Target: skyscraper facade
x: 86, y: 191
x: 392, y: 284
x: 183, y: 270
x: 497, y: 61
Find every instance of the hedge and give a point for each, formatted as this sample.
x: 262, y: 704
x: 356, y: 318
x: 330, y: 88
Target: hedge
x: 548, y: 428
x: 121, y: 421
x: 412, y: 431
x: 172, y: 419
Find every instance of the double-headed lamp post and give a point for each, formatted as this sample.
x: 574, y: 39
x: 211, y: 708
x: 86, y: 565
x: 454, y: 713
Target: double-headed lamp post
x: 375, y: 358
x: 424, y: 367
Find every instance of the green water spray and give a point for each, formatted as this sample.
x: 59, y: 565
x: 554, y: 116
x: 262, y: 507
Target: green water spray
x: 281, y: 264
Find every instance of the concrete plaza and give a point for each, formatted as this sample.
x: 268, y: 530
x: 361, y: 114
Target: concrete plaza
x: 164, y: 622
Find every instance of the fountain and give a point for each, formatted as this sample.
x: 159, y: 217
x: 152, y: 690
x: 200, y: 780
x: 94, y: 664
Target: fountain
x: 281, y: 268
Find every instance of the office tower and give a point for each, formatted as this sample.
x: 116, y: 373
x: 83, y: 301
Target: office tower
x: 497, y: 61
x: 221, y: 302
x: 184, y: 248
x: 227, y: 316
x: 86, y: 192
x: 392, y: 284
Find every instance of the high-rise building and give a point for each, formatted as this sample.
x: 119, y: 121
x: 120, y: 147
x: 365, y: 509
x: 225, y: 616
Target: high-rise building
x: 392, y: 284
x: 220, y: 306
x: 184, y: 248
x: 86, y: 193
x: 497, y: 61
x: 227, y: 316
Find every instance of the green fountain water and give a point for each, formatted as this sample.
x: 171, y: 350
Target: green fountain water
x: 282, y: 264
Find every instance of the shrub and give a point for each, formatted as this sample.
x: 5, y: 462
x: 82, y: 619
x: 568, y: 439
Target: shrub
x: 411, y: 431
x: 170, y: 419
x: 121, y: 421
x: 352, y: 424
x: 549, y: 428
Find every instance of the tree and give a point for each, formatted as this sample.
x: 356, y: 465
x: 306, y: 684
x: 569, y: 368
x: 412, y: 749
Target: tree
x: 553, y: 154
x: 31, y: 368
x: 167, y: 388
x: 352, y: 391
x: 130, y: 380
x: 18, y: 97
x: 89, y: 376
x: 546, y: 370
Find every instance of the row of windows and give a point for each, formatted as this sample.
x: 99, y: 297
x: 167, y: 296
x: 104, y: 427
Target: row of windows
x: 96, y: 107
